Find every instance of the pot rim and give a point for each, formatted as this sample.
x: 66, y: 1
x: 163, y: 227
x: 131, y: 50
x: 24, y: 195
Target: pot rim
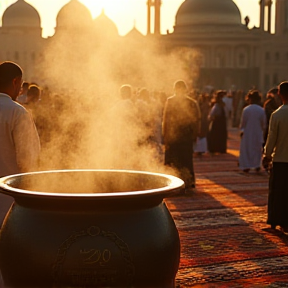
x: 174, y: 184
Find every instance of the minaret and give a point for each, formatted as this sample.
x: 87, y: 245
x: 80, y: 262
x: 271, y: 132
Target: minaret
x: 157, y: 8
x: 281, y: 25
x: 156, y: 4
x: 262, y: 14
x: 149, y: 7
x: 266, y: 15
x: 269, y: 24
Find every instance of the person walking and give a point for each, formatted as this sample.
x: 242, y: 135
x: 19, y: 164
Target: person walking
x: 22, y: 99
x: 252, y: 125
x: 276, y: 151
x: 228, y: 100
x: 20, y: 145
x: 217, y: 134
x: 181, y: 126
x: 33, y: 101
x: 201, y: 143
x: 272, y: 103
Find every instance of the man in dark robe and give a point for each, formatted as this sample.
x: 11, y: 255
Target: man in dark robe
x: 276, y: 151
x: 181, y: 126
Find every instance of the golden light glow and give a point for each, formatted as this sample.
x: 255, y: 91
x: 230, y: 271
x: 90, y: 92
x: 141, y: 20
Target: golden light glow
x: 96, y: 6
x: 124, y: 13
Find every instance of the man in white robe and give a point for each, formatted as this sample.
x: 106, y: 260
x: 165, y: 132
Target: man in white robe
x: 252, y: 125
x: 20, y: 145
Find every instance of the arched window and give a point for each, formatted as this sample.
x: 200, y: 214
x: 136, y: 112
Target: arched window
x: 277, y: 56
x: 242, y: 60
x: 267, y: 80
x: 241, y: 57
x: 220, y: 61
x: 200, y: 60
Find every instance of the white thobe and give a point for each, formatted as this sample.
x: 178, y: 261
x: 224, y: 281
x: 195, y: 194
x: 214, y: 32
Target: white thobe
x: 19, y: 144
x: 253, y: 123
x: 19, y: 140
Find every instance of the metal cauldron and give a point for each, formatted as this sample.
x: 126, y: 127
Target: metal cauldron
x: 89, y: 228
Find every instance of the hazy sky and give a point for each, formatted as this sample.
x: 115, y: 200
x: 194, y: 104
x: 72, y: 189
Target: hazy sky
x: 125, y: 13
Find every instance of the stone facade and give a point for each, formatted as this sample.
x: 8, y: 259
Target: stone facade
x: 228, y: 52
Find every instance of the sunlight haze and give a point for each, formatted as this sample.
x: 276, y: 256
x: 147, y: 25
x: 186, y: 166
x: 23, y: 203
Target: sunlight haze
x: 126, y: 13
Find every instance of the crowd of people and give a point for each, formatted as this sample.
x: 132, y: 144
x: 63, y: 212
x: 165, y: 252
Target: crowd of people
x: 177, y: 127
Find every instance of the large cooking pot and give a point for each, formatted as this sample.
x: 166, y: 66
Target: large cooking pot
x: 89, y: 228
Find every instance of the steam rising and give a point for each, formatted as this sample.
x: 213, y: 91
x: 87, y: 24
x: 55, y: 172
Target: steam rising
x: 84, y: 126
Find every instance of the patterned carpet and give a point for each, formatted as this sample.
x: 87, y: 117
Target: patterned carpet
x: 225, y: 240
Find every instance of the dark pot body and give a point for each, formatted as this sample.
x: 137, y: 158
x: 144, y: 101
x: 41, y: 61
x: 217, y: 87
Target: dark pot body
x: 103, y: 239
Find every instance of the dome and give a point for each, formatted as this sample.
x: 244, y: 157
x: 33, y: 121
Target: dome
x: 135, y: 34
x: 208, y: 12
x: 105, y: 26
x: 73, y: 15
x: 21, y: 14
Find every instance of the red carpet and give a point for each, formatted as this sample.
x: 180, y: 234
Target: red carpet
x: 222, y: 225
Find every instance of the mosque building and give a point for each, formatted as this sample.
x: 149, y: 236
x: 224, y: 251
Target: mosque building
x: 229, y: 53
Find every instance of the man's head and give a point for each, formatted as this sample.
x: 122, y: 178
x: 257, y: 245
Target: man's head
x: 273, y: 94
x: 220, y: 94
x: 24, y: 88
x: 283, y: 91
x: 253, y: 97
x: 10, y: 79
x: 180, y: 87
x: 126, y: 91
x: 273, y: 91
x: 33, y: 94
